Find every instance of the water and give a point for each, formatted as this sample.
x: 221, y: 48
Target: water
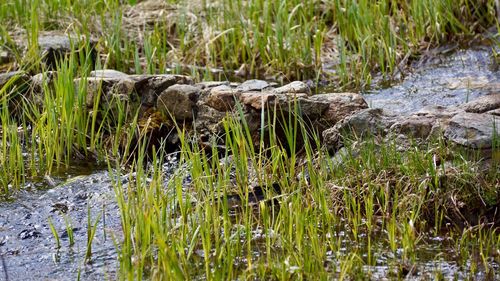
x: 444, y: 80
x: 27, y: 245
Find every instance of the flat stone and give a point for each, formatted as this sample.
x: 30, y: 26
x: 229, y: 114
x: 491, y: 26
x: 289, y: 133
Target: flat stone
x: 211, y: 84
x: 473, y: 130
x: 108, y: 73
x: 179, y: 102
x: 294, y: 87
x: 483, y: 104
x: 253, y: 85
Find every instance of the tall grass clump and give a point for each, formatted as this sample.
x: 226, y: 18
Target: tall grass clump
x: 346, y: 41
x: 50, y: 124
x: 315, y: 218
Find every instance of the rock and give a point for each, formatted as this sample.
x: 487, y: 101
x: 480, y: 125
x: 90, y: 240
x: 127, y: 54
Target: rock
x: 259, y: 100
x: 5, y: 57
x: 111, y: 88
x: 483, y: 104
x: 18, y: 78
x: 222, y: 98
x: 209, y: 120
x: 211, y: 84
x: 55, y: 46
x: 179, y: 102
x: 252, y: 85
x: 14, y: 86
x: 472, y: 130
x: 312, y: 108
x: 108, y: 73
x: 495, y: 112
x: 415, y: 126
x: 149, y: 87
x: 39, y: 80
x: 370, y: 121
x: 38, y: 83
x: 340, y: 106
x: 294, y: 87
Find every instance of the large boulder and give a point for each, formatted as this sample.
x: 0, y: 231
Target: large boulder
x: 179, y: 102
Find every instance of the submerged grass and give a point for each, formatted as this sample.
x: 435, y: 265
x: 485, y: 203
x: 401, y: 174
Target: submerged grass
x: 350, y: 39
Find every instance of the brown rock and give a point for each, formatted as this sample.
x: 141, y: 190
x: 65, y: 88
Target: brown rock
x: 340, y: 105
x: 179, y: 102
x: 222, y: 98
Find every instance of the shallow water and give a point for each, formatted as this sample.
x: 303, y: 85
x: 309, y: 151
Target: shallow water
x: 27, y: 245
x: 444, y: 80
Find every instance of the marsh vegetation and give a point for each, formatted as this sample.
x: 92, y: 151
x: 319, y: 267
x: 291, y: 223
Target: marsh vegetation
x: 270, y: 202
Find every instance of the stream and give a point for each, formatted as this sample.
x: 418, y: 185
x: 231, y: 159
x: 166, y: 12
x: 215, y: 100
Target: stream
x: 28, y: 248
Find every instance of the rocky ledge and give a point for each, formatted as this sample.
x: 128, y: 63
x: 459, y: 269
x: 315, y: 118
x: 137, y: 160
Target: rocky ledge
x: 202, y: 107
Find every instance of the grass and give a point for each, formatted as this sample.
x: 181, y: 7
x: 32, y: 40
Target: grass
x: 339, y: 222
x: 346, y: 42
x: 328, y: 220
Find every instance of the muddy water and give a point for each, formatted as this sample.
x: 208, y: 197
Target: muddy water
x: 443, y: 79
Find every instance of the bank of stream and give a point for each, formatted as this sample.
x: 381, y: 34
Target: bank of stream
x: 84, y: 195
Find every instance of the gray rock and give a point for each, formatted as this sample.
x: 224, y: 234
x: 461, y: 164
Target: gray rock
x: 39, y: 82
x: 415, y: 126
x: 179, y: 102
x: 253, y: 85
x: 211, y: 84
x: 370, y: 121
x: 55, y: 46
x: 108, y: 73
x: 109, y: 88
x: 483, y: 104
x: 294, y: 87
x: 16, y: 85
x: 208, y: 120
x: 5, y: 56
x: 473, y: 130
x: 16, y: 78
